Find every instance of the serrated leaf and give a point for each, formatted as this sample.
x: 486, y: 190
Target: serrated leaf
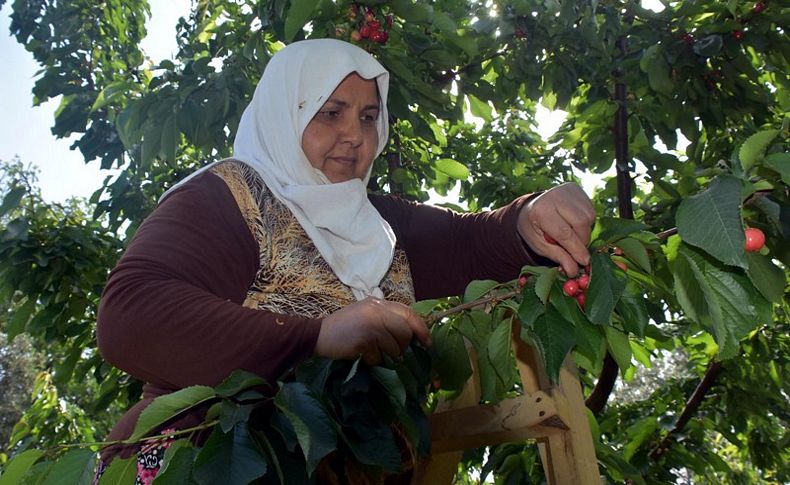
x: 231, y: 414
x: 530, y: 308
x: 766, y: 276
x: 177, y: 464
x: 657, y: 69
x: 75, y: 468
x: 607, y: 284
x: 480, y: 108
x: 424, y: 307
x: 11, y: 200
x: 237, y: 381
x: 753, y: 149
x: 163, y: 408
x: 637, y: 434
x: 390, y: 381
x: 15, y: 469
x: 619, y: 346
x: 476, y: 289
x: 314, y: 428
x: 544, y: 282
x: 120, y: 472
x: 452, y: 360
x: 297, y: 17
x: 452, y: 169
x: 711, y: 220
x: 18, y: 321
x: 610, y: 229
x: 722, y: 300
x: 779, y: 163
x: 632, y: 309
x: 555, y: 337
x: 635, y: 250
x: 499, y: 345
x: 229, y: 458
x: 170, y: 138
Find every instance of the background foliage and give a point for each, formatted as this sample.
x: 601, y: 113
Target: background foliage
x: 712, y: 72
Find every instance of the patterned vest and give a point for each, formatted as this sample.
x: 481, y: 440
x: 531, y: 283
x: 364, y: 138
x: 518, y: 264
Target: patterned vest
x: 293, y: 278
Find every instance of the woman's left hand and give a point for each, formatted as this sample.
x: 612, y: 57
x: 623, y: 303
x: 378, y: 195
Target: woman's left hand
x: 557, y: 224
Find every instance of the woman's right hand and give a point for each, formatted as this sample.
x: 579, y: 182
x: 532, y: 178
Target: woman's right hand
x: 370, y: 328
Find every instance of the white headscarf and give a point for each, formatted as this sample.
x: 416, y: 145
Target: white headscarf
x: 348, y: 231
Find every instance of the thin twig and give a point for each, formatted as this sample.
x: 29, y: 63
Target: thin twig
x: 435, y: 317
x: 144, y: 439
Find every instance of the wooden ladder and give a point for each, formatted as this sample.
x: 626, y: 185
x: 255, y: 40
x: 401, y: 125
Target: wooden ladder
x: 553, y: 415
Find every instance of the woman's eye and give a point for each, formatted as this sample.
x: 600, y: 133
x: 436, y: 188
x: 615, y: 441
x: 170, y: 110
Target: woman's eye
x: 330, y: 113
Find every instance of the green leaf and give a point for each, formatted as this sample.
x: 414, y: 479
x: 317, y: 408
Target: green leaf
x: 709, y: 46
x: 18, y: 466
x: 610, y: 229
x: 375, y: 446
x: 168, y: 406
x: 170, y: 138
x: 753, y: 149
x: 237, y: 381
x: 635, y: 250
x: 390, y: 381
x: 555, y: 338
x: 723, y: 301
x: 779, y: 163
x: 476, y: 289
x: 531, y: 307
x: 177, y: 464
x: 657, y: 69
x: 424, y: 307
x: 11, y: 200
x: 313, y: 426
x: 297, y: 17
x: 766, y: 276
x: 451, y: 168
x: 75, y: 467
x: 637, y: 434
x: 711, y: 220
x: 619, y: 347
x: 452, y: 360
x: 607, y: 283
x: 38, y: 473
x: 120, y: 472
x: 19, y: 319
x: 231, y: 414
x: 544, y: 282
x: 632, y: 309
x: 499, y: 344
x: 229, y: 458
x: 480, y: 108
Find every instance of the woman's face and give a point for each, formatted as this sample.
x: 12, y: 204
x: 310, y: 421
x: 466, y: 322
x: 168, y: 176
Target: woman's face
x: 341, y: 139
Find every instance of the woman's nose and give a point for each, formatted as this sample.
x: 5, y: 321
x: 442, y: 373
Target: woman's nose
x: 352, y: 131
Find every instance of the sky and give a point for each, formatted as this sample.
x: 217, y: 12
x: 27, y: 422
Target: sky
x: 25, y: 129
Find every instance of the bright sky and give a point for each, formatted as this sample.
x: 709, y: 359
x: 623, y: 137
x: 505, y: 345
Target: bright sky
x: 25, y: 129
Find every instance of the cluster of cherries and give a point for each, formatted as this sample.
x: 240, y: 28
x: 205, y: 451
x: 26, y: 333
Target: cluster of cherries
x: 368, y: 27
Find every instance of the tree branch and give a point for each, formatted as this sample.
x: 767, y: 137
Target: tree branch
x: 692, y: 405
x: 438, y: 316
x: 597, y: 399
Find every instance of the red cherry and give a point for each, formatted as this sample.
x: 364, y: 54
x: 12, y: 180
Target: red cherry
x: 584, y: 281
x: 389, y: 21
x: 520, y: 34
x: 378, y: 36
x: 621, y: 265
x: 571, y: 288
x: 758, y: 7
x: 364, y: 31
x: 688, y: 39
x: 522, y: 281
x: 549, y: 239
x: 755, y: 239
x: 588, y: 269
x: 356, y: 36
x: 581, y: 299
x: 374, y: 25
x: 737, y: 35
x: 618, y: 252
x: 370, y: 16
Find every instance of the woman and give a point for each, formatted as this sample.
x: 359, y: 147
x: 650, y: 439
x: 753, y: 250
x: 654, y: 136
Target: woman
x: 279, y: 254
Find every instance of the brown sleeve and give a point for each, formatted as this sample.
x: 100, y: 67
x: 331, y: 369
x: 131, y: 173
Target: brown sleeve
x: 447, y: 250
x: 171, y: 312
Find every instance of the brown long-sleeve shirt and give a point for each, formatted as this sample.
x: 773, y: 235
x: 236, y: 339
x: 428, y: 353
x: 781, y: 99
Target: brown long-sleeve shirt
x: 172, y: 315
